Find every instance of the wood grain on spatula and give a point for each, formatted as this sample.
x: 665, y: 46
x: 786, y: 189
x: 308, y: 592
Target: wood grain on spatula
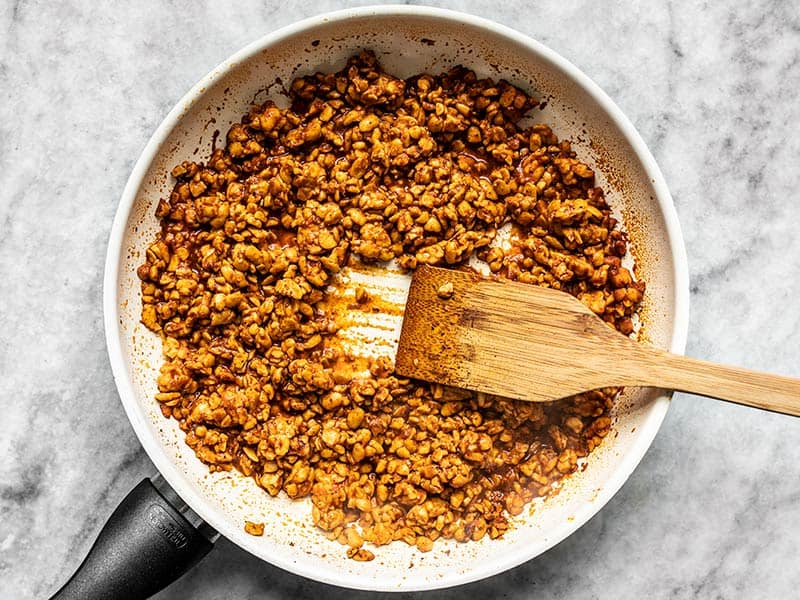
x: 532, y: 343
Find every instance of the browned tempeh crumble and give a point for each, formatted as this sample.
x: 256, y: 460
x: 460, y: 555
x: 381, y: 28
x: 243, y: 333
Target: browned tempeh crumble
x: 368, y: 167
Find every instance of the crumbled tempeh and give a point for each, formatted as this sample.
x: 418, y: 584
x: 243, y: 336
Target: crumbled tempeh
x: 365, y: 166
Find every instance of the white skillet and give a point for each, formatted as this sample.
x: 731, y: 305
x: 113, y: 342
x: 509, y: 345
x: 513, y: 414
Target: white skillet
x: 407, y: 40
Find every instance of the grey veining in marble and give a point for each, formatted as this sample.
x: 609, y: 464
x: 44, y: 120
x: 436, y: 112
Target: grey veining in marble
x: 713, y: 511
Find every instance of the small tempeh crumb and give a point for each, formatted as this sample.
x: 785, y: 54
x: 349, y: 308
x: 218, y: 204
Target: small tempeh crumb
x: 256, y: 529
x: 445, y: 291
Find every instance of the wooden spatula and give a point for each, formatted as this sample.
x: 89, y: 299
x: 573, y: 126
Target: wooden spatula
x: 531, y: 343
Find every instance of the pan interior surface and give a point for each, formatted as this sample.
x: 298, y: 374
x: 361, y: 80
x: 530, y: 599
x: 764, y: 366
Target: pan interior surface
x: 407, y: 41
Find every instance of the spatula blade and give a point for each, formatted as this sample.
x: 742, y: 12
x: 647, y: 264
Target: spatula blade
x: 506, y: 338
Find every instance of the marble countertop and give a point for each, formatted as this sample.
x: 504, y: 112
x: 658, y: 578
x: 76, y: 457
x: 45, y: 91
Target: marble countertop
x: 713, y: 511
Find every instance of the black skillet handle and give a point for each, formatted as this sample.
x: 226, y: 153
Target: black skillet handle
x: 144, y: 546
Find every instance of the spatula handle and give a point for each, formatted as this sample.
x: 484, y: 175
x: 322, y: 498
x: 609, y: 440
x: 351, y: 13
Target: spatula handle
x: 751, y: 388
